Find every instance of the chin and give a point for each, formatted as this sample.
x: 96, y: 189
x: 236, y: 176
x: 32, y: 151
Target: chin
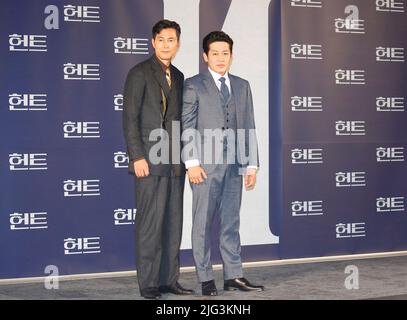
x: 165, y: 57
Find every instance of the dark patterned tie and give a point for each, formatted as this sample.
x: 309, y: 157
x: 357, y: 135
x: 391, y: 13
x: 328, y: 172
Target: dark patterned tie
x: 168, y: 76
x: 224, y: 90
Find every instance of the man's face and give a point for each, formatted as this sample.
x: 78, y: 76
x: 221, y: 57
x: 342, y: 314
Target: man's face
x: 166, y: 45
x: 219, y: 57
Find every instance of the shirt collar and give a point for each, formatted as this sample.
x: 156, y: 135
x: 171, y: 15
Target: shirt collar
x: 216, y: 76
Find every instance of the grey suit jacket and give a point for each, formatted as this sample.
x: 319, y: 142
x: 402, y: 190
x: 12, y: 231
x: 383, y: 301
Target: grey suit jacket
x: 142, y: 113
x: 202, y: 109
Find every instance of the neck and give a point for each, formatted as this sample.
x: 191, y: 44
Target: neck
x: 165, y: 62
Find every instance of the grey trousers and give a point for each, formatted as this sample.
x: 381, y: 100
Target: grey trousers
x: 159, y: 203
x: 220, y: 192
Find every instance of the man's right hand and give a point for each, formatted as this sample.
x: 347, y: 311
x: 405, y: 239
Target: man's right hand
x: 196, y: 174
x: 141, y: 168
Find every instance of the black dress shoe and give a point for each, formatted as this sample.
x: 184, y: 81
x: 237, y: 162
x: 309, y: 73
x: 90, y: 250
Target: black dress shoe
x: 209, y: 288
x: 241, y: 284
x: 150, y: 293
x: 175, y: 289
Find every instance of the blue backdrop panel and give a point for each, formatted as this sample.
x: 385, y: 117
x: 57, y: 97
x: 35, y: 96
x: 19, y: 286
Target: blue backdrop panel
x: 332, y: 128
x: 86, y: 218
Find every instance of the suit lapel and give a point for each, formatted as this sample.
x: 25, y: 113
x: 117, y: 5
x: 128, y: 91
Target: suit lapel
x: 175, y: 80
x: 236, y: 91
x: 211, y: 87
x: 158, y: 75
x: 172, y: 100
x: 234, y: 87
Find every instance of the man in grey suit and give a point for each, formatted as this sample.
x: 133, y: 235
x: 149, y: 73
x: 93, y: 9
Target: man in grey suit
x: 217, y: 107
x: 153, y: 101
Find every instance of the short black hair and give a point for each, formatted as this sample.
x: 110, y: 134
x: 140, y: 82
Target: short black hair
x: 166, y: 24
x: 216, y: 36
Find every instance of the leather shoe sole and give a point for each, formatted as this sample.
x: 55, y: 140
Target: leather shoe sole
x: 245, y: 288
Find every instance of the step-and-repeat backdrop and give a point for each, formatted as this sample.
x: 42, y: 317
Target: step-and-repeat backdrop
x: 329, y: 82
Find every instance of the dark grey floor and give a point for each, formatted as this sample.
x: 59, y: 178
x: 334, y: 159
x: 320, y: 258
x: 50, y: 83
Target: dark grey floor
x: 379, y: 278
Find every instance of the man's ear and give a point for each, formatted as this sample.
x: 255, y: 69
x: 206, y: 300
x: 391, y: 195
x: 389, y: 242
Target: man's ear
x: 152, y: 42
x: 205, y: 57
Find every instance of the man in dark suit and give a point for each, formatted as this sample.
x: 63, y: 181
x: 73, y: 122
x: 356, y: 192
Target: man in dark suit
x: 153, y: 101
x: 218, y: 107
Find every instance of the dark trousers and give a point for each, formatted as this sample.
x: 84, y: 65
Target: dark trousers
x: 159, y: 203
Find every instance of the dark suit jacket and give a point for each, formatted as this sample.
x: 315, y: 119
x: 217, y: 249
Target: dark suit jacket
x: 142, y: 113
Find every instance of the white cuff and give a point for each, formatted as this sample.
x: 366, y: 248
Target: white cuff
x: 191, y: 163
x: 252, y: 167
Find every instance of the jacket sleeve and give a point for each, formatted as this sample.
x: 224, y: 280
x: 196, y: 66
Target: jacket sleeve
x: 132, y: 102
x: 251, y: 137
x: 190, y: 107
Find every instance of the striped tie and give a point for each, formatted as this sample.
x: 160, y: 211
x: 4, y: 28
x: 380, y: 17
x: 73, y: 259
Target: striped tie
x: 168, y: 76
